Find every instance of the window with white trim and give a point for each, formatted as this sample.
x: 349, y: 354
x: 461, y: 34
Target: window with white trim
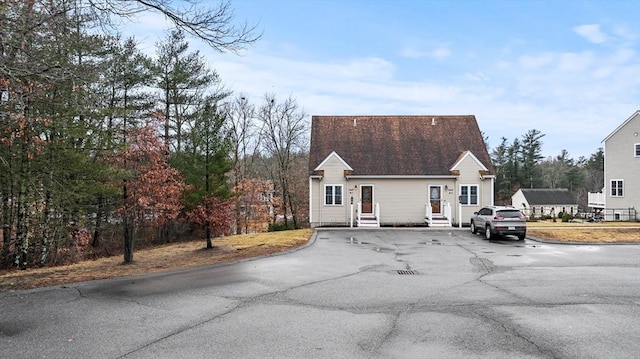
x: 333, y: 195
x: 637, y: 149
x: 469, y: 194
x: 617, y: 188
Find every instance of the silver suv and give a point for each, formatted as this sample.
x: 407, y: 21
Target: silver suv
x: 498, y: 221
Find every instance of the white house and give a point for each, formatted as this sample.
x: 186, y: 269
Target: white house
x: 536, y: 202
x: 620, y: 197
x: 397, y: 170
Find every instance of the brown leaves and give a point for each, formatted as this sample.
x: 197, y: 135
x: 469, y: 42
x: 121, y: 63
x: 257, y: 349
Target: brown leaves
x: 155, y: 191
x: 256, y: 204
x: 215, y: 212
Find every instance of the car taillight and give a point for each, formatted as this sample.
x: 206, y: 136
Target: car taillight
x: 522, y: 217
x: 498, y: 218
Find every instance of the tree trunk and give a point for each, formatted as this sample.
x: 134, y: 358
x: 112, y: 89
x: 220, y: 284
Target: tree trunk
x: 128, y: 240
x: 6, y: 231
x: 208, y: 234
x: 22, y: 243
x: 129, y: 228
x: 294, y: 216
x: 45, y: 242
x: 95, y: 240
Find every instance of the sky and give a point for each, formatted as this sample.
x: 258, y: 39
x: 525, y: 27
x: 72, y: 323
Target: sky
x: 567, y: 68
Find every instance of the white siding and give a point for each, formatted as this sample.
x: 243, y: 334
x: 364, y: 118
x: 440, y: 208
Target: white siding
x: 621, y: 163
x: 519, y: 201
x: 331, y: 214
x: 402, y: 201
x: 470, y: 175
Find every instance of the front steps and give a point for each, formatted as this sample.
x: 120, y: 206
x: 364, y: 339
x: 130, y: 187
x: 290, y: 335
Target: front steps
x: 438, y: 222
x: 368, y: 222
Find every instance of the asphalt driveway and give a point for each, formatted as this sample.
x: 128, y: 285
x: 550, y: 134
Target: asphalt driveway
x: 383, y: 293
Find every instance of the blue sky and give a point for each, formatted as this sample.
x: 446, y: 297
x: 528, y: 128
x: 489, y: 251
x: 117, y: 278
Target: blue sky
x: 568, y: 68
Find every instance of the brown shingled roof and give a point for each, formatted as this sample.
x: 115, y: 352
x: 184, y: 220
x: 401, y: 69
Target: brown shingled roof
x: 397, y: 145
x: 548, y: 196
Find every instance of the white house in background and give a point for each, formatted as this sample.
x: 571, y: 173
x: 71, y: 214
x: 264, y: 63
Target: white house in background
x: 620, y: 197
x: 536, y: 202
x: 397, y: 170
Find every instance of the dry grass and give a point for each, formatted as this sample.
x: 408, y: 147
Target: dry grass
x: 163, y: 258
x: 604, y: 232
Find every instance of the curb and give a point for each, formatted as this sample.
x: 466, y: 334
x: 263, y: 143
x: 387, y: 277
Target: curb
x: 540, y: 240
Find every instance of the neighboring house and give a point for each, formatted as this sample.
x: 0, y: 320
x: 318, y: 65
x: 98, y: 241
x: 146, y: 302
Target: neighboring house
x: 397, y: 170
x: 255, y: 206
x: 536, y: 202
x: 620, y: 197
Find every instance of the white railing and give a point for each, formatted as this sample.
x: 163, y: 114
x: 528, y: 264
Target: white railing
x: 596, y: 200
x: 368, y: 222
x: 446, y: 214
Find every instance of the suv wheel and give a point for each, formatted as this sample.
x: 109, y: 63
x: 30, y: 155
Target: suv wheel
x: 474, y: 230
x: 521, y: 236
x: 487, y: 233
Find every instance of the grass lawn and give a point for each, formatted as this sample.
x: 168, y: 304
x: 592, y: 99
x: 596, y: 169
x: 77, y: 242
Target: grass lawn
x: 603, y: 232
x: 233, y: 248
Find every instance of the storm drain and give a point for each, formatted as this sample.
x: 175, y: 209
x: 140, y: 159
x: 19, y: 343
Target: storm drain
x: 407, y: 272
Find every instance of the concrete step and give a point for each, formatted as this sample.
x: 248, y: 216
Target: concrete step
x: 438, y: 222
x: 368, y: 223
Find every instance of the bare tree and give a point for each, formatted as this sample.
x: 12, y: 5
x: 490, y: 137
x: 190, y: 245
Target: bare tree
x: 215, y: 26
x: 244, y: 140
x: 283, y: 136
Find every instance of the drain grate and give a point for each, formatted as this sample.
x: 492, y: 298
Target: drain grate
x: 407, y: 272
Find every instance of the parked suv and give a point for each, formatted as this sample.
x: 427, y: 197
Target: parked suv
x: 498, y: 220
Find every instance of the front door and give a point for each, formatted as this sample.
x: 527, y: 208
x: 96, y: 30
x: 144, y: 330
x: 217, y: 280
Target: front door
x: 367, y: 199
x: 435, y: 193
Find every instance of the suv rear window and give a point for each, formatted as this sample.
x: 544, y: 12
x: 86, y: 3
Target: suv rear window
x: 509, y: 214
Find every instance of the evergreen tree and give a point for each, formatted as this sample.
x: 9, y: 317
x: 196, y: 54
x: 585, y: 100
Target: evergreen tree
x: 205, y: 163
x: 530, y: 157
x: 500, y: 160
x: 183, y: 78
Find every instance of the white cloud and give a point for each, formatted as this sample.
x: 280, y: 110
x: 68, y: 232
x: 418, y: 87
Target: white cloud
x: 575, y: 62
x: 591, y: 32
x: 438, y: 52
x: 534, y: 62
x: 575, y: 98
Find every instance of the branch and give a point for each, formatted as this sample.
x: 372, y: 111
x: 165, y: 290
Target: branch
x: 212, y: 25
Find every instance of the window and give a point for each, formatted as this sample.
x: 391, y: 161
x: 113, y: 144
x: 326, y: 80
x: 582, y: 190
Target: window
x: 469, y: 194
x: 637, y: 147
x: 333, y: 195
x: 617, y: 188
